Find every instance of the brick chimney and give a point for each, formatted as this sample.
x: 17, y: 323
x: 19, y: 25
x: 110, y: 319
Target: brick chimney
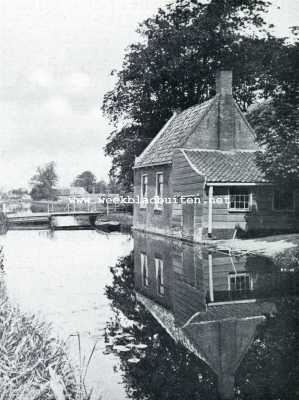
x: 224, y: 82
x: 226, y: 117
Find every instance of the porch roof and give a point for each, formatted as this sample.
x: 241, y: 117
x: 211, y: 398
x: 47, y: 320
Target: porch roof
x: 238, y: 166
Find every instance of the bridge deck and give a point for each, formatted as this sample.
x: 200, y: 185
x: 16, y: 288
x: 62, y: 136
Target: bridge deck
x: 37, y: 216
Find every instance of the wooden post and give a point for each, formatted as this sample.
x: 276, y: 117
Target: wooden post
x: 210, y: 215
x: 211, y: 285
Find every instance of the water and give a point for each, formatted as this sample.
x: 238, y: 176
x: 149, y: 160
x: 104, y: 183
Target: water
x: 61, y: 276
x: 171, y: 320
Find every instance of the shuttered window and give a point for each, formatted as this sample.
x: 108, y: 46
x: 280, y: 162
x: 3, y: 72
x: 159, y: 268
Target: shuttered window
x: 144, y: 269
x: 144, y: 187
x: 160, y: 276
x: 159, y: 191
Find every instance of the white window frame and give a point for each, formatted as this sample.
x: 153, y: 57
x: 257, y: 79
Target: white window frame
x: 233, y: 209
x: 159, y: 204
x: 144, y: 270
x: 239, y: 274
x: 160, y: 265
x: 143, y: 204
x: 282, y: 209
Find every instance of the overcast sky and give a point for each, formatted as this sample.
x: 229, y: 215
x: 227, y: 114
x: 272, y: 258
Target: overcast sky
x: 55, y: 60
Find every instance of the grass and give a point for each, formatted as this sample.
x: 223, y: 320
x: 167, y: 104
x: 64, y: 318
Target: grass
x: 34, y: 364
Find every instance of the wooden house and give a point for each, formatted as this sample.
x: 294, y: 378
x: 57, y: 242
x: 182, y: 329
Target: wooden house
x: 198, y: 177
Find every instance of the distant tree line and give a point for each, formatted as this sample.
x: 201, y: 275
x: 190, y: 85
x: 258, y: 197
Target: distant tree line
x: 44, y: 183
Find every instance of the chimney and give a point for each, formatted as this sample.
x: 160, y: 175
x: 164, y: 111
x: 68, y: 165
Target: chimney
x: 224, y: 82
x: 226, y: 115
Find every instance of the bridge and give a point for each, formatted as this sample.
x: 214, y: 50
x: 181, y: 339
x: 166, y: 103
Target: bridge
x: 47, y: 217
x: 46, y: 212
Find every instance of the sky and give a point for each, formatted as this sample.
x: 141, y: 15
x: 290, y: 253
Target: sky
x: 55, y: 62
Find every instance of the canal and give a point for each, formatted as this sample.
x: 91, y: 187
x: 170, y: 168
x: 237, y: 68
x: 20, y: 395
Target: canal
x: 171, y: 320
x: 61, y: 277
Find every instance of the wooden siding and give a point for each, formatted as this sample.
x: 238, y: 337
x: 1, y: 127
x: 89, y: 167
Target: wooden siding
x: 187, y: 221
x: 149, y: 219
x: 260, y: 218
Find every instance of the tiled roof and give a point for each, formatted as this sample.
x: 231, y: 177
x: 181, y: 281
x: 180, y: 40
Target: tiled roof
x: 225, y: 166
x: 173, y: 135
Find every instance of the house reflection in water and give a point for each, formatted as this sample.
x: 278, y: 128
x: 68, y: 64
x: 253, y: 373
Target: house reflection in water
x: 210, y: 302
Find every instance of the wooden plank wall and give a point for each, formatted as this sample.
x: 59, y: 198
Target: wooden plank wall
x: 261, y: 218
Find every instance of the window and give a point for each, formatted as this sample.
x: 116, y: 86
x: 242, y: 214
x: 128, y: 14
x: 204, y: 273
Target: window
x: 144, y: 269
x: 144, y: 181
x: 240, y: 199
x: 160, y: 276
x: 283, y: 200
x: 239, y: 282
x: 159, y: 190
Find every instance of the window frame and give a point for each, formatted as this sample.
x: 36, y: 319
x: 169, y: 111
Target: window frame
x: 159, y: 205
x: 144, y: 270
x: 142, y: 196
x: 159, y: 264
x: 280, y: 210
x: 247, y: 209
x: 239, y: 274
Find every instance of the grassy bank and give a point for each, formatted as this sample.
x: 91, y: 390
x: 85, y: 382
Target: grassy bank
x: 33, y: 364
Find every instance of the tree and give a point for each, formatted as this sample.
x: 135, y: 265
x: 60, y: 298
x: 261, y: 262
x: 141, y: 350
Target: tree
x: 174, y: 66
x: 19, y: 191
x: 44, y: 182
x: 101, y: 186
x: 276, y: 121
x: 87, y: 180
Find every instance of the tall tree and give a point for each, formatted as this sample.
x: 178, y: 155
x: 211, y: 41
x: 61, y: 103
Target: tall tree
x: 43, y: 182
x: 174, y: 65
x: 87, y: 180
x: 276, y: 121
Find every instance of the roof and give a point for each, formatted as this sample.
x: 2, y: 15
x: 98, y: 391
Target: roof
x: 78, y: 190
x: 71, y: 191
x: 173, y: 135
x: 225, y: 166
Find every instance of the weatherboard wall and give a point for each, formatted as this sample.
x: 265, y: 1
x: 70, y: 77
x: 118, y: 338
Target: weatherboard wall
x: 148, y: 218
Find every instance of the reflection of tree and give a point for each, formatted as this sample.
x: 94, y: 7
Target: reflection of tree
x: 157, y: 368
x: 270, y: 371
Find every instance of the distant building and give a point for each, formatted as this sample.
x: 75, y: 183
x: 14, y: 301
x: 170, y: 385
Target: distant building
x: 206, y: 155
